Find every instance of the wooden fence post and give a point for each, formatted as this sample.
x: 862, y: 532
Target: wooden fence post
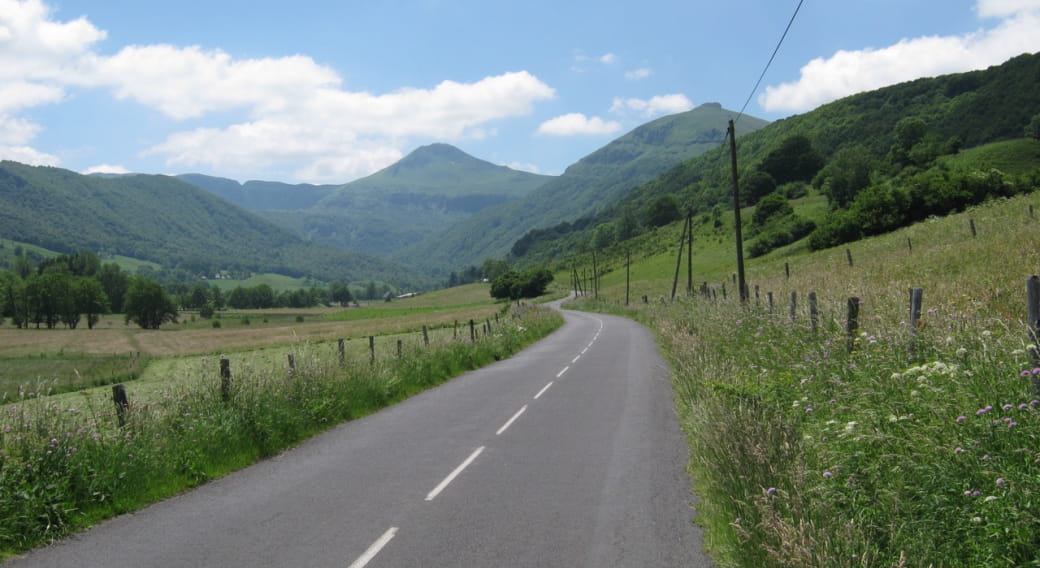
x: 342, y: 352
x: 971, y: 225
x: 122, y: 403
x: 916, y: 297
x: 372, y: 348
x: 770, y: 296
x: 848, y: 255
x: 1033, y: 300
x: 399, y: 348
x: 455, y: 330
x: 793, y: 310
x: 472, y: 332
x: 852, y: 321
x: 425, y: 336
x: 909, y: 245
x: 225, y: 378
x: 787, y: 270
x: 292, y: 365
x: 814, y: 313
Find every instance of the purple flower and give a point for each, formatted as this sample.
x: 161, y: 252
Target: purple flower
x: 976, y: 493
x: 1000, y: 482
x: 827, y: 474
x: 808, y: 410
x: 1026, y: 373
x: 961, y: 419
x: 985, y: 457
x: 1012, y: 424
x: 771, y: 490
x: 1007, y: 406
x: 1023, y: 406
x: 1036, y: 370
x: 958, y: 450
x: 982, y: 411
x: 967, y: 493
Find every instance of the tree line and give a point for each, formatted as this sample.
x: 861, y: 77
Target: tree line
x: 69, y: 289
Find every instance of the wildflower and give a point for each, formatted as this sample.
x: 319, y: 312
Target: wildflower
x: 1007, y: 407
x: 985, y: 457
x: 976, y: 493
x: 850, y: 426
x: 827, y: 474
x: 771, y: 490
x: 1012, y: 424
x: 1036, y: 370
x: 990, y: 498
x: 967, y: 493
x: 1000, y: 482
x: 961, y: 418
x: 986, y: 333
x: 1023, y: 406
x: 982, y: 411
x: 1026, y: 373
x: 808, y: 410
x: 958, y: 450
x: 962, y: 352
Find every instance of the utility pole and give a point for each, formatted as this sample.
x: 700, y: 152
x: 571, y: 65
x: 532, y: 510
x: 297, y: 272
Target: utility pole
x: 678, y: 260
x: 736, y: 213
x: 689, y: 252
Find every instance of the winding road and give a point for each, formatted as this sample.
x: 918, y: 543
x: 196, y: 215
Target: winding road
x: 568, y: 454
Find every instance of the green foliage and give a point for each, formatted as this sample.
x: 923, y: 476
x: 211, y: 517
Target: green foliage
x: 595, y: 183
x: 339, y: 292
x: 780, y: 230
x: 845, y: 175
x: 148, y: 305
x: 755, y: 186
x: 772, y: 205
x: 166, y: 221
x: 515, y: 285
x: 1032, y: 129
x: 794, y: 159
x: 663, y: 210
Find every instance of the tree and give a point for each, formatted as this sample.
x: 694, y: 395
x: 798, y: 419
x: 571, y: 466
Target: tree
x: 514, y: 285
x: 603, y: 236
x: 114, y: 282
x: 757, y: 185
x: 147, y: 304
x: 845, y: 175
x: 663, y: 210
x: 90, y: 300
x: 1033, y: 128
x: 339, y: 292
x: 794, y: 160
x: 769, y: 207
x: 197, y: 297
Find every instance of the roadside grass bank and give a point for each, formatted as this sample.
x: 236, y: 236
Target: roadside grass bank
x: 65, y: 466
x: 890, y: 447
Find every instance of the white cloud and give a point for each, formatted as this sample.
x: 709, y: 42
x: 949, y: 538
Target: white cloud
x: 297, y: 115
x: 577, y: 124
x: 654, y: 106
x: 524, y: 167
x: 848, y: 72
x: 607, y: 58
x: 27, y: 155
x: 1005, y: 8
x: 106, y: 169
x: 637, y: 74
x: 338, y: 135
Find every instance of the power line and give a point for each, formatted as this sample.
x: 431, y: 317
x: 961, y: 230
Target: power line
x: 771, y: 57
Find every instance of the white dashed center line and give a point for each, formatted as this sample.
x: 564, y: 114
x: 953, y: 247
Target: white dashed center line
x: 511, y: 420
x: 373, y: 550
x: 451, y: 476
x: 545, y: 388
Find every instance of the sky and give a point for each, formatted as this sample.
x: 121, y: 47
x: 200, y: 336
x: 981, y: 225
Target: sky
x: 331, y: 91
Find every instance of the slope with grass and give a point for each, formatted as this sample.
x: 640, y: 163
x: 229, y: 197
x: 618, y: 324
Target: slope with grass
x: 595, y: 182
x: 891, y: 446
x: 166, y: 221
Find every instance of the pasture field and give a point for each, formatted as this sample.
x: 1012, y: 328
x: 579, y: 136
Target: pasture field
x: 889, y: 446
x: 114, y: 351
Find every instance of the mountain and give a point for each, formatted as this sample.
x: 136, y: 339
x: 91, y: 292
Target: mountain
x: 593, y: 183
x: 411, y: 200
x: 945, y: 113
x: 261, y: 195
x: 164, y: 220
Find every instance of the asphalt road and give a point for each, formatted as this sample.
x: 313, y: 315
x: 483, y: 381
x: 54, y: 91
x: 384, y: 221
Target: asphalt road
x: 568, y: 454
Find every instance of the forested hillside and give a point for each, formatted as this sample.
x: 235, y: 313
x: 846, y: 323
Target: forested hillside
x: 889, y: 141
x: 594, y: 183
x: 167, y: 221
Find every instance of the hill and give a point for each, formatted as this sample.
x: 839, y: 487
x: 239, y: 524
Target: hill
x: 261, y: 195
x: 593, y: 183
x: 895, y: 133
x: 166, y: 221
x: 409, y: 201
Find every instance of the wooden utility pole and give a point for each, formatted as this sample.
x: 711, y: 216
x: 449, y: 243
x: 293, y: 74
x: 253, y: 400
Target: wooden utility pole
x: 689, y: 252
x: 736, y: 213
x: 628, y: 275
x: 678, y: 261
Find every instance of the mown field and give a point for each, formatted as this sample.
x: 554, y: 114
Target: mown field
x: 888, y: 447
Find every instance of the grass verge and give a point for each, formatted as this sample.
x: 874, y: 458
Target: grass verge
x: 64, y: 467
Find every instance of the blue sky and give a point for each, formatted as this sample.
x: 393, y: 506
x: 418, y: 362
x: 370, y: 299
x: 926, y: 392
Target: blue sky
x: 326, y: 92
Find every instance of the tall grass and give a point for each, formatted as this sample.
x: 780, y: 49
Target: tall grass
x: 63, y: 467
x: 883, y: 449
